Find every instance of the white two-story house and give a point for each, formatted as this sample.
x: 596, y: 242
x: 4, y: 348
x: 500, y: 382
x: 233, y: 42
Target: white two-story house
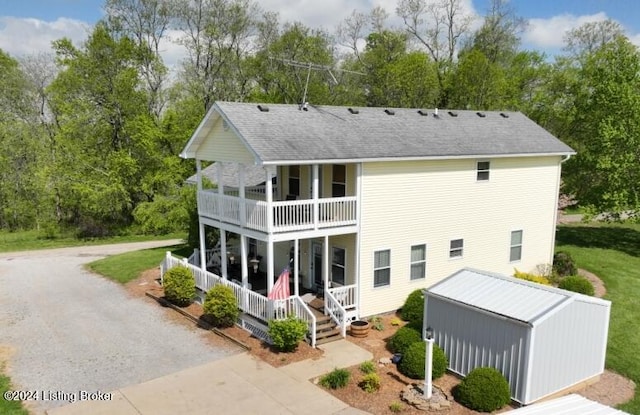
x: 368, y: 204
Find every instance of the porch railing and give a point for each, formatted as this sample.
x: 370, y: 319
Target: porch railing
x: 251, y: 302
x: 286, y: 215
x: 336, y: 311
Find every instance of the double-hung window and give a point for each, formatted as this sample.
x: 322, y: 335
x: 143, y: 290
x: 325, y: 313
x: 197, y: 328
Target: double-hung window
x: 382, y: 268
x: 339, y: 180
x: 418, y: 262
x: 515, y: 250
x: 482, y: 172
x: 338, y: 266
x: 456, y: 247
x: 294, y: 180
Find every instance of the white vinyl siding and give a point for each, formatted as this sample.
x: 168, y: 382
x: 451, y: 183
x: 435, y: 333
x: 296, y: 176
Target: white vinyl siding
x: 515, y: 250
x: 418, y: 262
x: 225, y: 146
x: 410, y: 201
x: 382, y: 268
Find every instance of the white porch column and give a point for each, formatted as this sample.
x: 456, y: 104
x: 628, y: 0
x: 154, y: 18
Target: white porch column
x: 219, y: 176
x: 223, y: 254
x: 203, y: 254
x: 296, y: 267
x: 241, y: 195
x: 269, y: 266
x: 198, y: 175
x: 315, y: 193
x: 325, y: 262
x: 269, y: 198
x: 243, y: 261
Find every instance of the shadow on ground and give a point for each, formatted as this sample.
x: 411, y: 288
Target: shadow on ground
x: 623, y: 239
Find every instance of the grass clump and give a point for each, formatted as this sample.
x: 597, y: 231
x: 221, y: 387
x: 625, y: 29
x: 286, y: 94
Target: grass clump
x: 368, y: 367
x: 370, y: 383
x: 338, y: 378
x: 396, y: 407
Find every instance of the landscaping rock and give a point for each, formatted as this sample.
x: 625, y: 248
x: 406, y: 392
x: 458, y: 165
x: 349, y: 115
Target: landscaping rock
x: 385, y: 361
x: 414, y: 395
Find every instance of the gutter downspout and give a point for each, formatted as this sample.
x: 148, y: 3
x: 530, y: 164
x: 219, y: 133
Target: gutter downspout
x: 555, y: 212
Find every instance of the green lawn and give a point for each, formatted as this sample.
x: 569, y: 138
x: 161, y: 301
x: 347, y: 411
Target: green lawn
x: 30, y: 240
x: 613, y: 253
x: 126, y: 267
x: 9, y: 407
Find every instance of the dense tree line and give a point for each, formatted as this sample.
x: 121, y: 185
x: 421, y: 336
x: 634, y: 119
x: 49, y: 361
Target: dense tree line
x: 89, y: 136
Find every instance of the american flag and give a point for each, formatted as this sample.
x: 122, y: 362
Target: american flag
x: 280, y: 290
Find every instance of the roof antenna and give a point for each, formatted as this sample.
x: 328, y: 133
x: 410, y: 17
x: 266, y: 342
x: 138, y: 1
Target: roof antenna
x: 309, y: 66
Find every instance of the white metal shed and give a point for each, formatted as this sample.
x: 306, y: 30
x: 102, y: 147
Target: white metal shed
x: 543, y: 339
x: 567, y: 405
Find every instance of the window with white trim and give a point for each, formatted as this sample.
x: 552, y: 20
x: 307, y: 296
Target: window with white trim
x: 456, y: 247
x: 339, y: 180
x: 338, y: 265
x: 483, y: 168
x: 515, y: 250
x: 382, y: 268
x: 294, y: 180
x: 418, y: 262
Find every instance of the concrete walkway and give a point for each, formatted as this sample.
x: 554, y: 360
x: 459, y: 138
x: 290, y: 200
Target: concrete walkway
x: 239, y: 384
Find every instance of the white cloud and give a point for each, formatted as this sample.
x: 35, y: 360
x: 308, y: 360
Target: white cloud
x: 24, y: 36
x: 550, y: 33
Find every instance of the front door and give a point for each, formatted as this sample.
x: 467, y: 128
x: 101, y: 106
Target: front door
x: 316, y: 263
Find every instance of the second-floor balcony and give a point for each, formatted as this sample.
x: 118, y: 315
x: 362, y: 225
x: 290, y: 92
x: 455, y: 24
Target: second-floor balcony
x: 278, y: 216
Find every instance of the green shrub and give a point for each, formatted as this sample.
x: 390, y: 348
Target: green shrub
x: 179, y: 286
x: 367, y: 367
x: 540, y: 279
x: 338, y: 378
x: 577, y: 284
x: 370, y: 383
x: 286, y: 334
x: 220, y: 306
x: 412, y: 362
x: 396, y: 407
x: 484, y: 389
x: 413, y: 308
x: 563, y: 264
x: 403, y: 338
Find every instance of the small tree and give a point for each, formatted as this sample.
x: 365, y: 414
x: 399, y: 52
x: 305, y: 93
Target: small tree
x: 179, y: 286
x: 220, y: 306
x: 286, y: 334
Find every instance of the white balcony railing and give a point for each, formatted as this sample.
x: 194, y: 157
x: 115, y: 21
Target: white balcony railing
x: 287, y: 216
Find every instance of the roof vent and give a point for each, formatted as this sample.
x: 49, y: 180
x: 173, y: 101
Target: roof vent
x: 452, y: 113
x: 263, y: 108
x: 390, y: 112
x: 354, y: 111
x: 435, y: 113
x: 423, y: 112
x: 504, y: 115
x: 304, y: 106
x: 481, y: 114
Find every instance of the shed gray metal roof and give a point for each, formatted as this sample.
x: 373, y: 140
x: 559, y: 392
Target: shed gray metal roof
x: 253, y: 175
x: 510, y: 297
x: 286, y: 133
x: 567, y: 405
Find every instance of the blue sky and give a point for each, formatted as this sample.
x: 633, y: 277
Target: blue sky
x: 29, y: 26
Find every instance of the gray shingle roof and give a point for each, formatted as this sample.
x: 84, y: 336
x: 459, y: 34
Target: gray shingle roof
x: 253, y: 175
x: 287, y: 134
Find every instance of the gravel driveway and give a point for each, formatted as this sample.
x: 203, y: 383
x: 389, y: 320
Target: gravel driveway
x: 70, y: 330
